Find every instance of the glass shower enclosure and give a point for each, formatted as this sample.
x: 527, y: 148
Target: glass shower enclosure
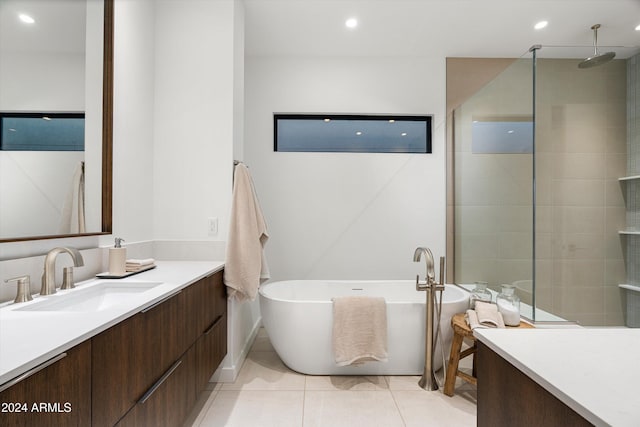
x: 545, y: 161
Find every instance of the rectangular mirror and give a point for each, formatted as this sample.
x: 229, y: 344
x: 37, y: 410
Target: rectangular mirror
x: 56, y: 60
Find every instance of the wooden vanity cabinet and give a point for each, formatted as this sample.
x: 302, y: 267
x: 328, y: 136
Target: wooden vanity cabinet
x: 210, y: 349
x: 507, y: 397
x: 58, y: 395
x: 210, y: 320
x: 147, y: 369
x: 144, y: 371
x: 208, y: 300
x: 128, y: 358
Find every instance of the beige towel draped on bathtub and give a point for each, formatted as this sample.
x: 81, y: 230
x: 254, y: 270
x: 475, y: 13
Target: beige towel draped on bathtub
x: 245, y: 265
x: 359, y: 330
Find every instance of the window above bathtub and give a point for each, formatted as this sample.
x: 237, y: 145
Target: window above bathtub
x: 352, y: 133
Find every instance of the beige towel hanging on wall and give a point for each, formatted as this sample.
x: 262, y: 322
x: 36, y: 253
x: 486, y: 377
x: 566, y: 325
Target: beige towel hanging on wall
x: 245, y: 264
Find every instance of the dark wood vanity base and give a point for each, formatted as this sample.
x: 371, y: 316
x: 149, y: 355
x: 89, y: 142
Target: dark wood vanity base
x: 507, y: 397
x: 147, y: 370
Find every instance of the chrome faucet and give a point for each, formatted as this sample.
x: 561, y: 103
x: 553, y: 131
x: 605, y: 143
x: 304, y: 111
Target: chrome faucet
x: 428, y: 380
x: 431, y: 273
x: 49, y: 276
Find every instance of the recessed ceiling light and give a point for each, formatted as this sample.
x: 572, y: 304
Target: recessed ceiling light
x: 46, y: 118
x: 540, y: 25
x: 26, y: 18
x: 358, y: 133
x: 327, y: 120
x: 392, y: 121
x: 403, y: 134
x: 351, y: 23
x: 638, y: 28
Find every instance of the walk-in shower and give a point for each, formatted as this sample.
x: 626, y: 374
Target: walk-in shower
x: 543, y: 194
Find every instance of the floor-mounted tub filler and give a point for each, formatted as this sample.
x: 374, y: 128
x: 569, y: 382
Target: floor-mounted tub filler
x: 298, y: 317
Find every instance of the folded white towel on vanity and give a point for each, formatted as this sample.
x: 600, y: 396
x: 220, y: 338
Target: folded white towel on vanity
x: 359, y: 330
x: 132, y: 265
x: 140, y: 262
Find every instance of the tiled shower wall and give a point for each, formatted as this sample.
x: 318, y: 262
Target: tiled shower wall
x: 580, y: 154
x: 633, y: 168
x: 633, y: 116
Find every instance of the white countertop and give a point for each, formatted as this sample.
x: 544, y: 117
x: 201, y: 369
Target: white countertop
x: 29, y: 338
x: 594, y: 371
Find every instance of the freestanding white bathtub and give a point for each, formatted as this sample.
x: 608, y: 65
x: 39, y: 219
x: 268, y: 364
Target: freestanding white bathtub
x: 298, y: 316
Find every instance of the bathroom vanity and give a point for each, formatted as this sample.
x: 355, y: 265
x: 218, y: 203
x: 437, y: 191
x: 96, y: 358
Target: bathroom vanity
x: 140, y: 362
x: 567, y: 377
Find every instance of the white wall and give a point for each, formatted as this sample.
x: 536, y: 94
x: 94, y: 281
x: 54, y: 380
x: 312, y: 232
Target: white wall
x: 198, y: 130
x: 344, y: 215
x: 193, y: 152
x: 133, y: 120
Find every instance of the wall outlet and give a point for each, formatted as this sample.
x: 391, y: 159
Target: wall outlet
x: 212, y: 226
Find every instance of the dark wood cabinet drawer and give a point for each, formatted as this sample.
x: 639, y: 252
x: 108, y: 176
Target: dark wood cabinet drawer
x: 210, y: 350
x: 208, y: 300
x: 58, y: 395
x: 131, y: 356
x: 168, y: 402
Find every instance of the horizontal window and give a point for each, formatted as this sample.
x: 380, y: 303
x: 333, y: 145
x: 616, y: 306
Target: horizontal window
x: 352, y: 133
x: 42, y: 131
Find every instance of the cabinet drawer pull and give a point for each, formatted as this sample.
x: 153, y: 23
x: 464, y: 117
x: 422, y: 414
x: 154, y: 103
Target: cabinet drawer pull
x: 213, y: 325
x: 32, y: 371
x: 160, y: 302
x: 158, y: 383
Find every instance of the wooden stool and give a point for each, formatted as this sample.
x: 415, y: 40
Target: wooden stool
x: 461, y: 331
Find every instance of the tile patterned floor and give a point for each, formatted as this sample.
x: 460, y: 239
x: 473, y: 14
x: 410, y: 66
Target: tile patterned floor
x: 267, y: 393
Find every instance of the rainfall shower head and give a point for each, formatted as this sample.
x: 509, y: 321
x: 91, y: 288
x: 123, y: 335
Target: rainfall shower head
x: 596, y: 59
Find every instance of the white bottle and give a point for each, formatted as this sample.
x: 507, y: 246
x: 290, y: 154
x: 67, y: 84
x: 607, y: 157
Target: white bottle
x: 117, y: 258
x: 509, y: 305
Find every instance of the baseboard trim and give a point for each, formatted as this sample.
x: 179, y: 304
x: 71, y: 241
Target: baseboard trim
x: 228, y: 374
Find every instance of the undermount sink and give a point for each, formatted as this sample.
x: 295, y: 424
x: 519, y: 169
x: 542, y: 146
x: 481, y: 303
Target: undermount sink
x: 99, y: 297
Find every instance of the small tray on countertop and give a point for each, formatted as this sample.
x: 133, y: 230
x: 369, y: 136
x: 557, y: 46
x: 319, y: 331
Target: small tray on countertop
x: 107, y: 275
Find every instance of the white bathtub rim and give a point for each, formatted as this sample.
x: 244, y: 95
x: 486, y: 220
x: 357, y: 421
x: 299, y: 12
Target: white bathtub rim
x: 306, y: 282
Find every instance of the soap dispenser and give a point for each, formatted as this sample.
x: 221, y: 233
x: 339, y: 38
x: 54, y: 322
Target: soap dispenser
x: 117, y: 258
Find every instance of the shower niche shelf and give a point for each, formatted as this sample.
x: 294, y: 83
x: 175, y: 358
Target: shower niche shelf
x: 629, y: 232
x: 629, y: 178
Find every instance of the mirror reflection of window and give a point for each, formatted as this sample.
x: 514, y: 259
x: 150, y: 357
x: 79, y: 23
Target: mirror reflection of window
x: 42, y: 132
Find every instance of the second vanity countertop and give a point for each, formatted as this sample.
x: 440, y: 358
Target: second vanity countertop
x: 29, y: 338
x: 594, y: 371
